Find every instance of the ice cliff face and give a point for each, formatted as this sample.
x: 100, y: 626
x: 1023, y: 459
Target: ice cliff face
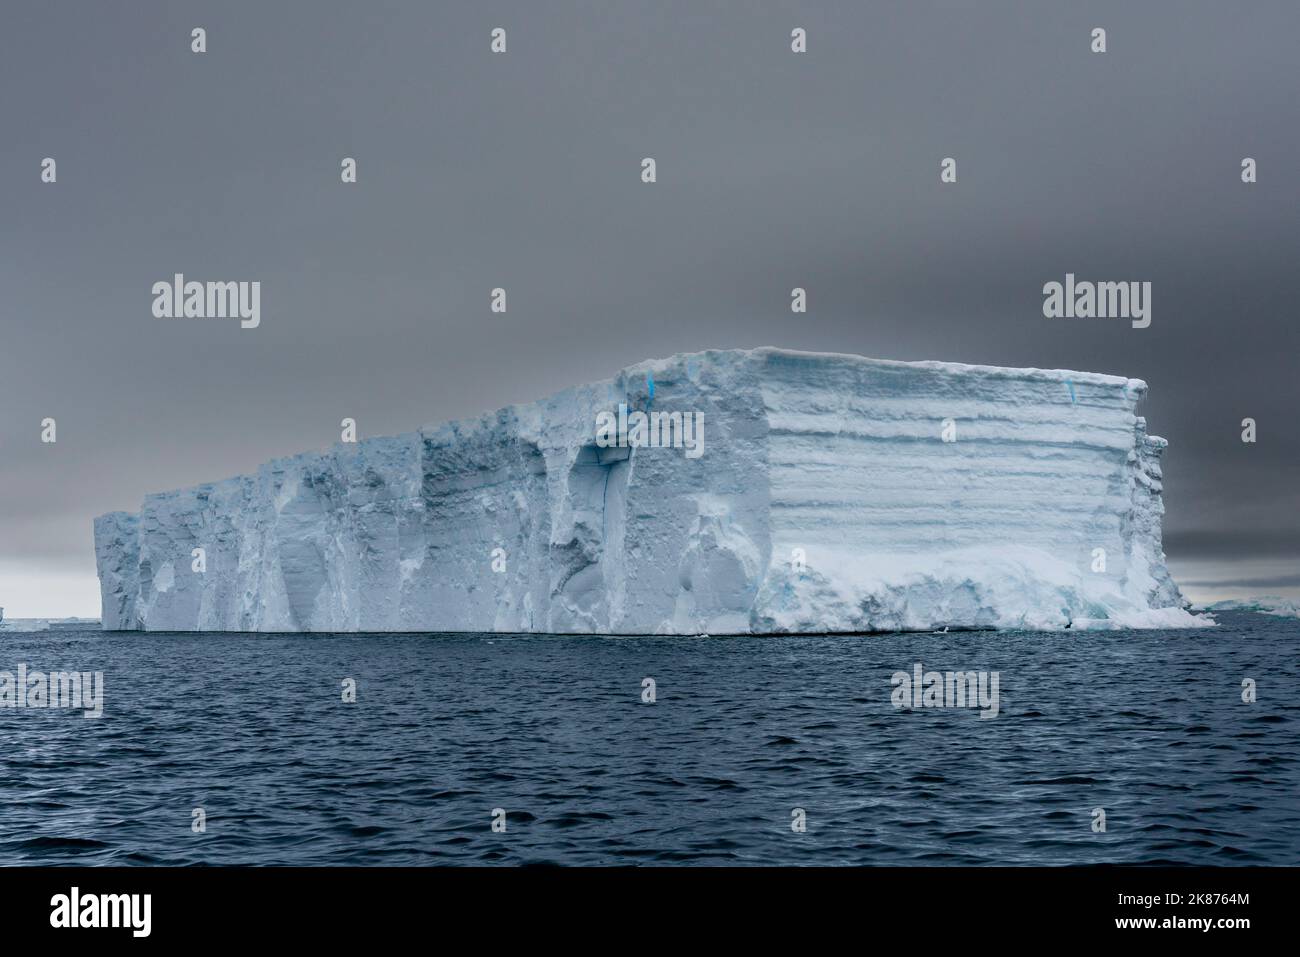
x: 830, y: 493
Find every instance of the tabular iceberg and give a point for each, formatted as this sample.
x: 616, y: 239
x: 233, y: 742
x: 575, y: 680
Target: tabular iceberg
x: 825, y: 493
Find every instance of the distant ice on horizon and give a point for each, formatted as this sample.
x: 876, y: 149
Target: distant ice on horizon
x: 1263, y: 604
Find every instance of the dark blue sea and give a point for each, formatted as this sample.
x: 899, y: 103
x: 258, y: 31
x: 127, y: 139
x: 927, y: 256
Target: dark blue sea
x: 1148, y: 726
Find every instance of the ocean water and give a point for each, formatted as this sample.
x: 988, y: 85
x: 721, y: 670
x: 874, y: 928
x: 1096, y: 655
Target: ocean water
x: 1149, y: 726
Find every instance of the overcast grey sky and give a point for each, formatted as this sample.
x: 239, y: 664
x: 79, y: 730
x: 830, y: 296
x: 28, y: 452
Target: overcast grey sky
x: 522, y: 170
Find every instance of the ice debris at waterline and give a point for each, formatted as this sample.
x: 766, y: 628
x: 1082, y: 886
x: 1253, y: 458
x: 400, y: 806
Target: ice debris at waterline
x: 831, y: 493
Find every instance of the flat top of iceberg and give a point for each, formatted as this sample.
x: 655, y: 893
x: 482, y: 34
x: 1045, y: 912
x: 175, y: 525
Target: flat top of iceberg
x: 932, y: 365
x: 735, y: 357
x: 718, y: 358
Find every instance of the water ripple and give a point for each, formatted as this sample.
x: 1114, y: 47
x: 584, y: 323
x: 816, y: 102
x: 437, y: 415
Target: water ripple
x: 745, y: 736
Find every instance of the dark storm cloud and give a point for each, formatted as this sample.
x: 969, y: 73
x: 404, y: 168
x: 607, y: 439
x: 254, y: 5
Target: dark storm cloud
x: 775, y: 170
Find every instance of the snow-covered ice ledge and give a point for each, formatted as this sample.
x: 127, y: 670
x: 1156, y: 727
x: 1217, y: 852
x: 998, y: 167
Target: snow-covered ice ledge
x: 834, y: 493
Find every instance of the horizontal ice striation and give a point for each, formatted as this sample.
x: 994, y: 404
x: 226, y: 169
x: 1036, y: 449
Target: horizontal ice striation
x: 833, y: 493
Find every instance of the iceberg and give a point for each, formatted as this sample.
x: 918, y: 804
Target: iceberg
x: 1264, y: 604
x: 823, y: 493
